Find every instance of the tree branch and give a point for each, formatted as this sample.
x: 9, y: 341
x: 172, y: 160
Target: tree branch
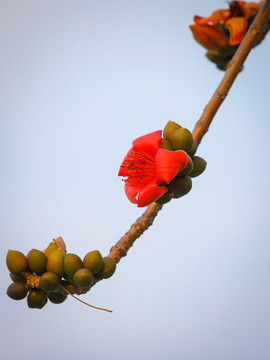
x: 258, y: 29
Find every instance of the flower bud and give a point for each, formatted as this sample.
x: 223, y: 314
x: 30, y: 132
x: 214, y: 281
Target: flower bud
x: 108, y: 268
x: 72, y: 263
x: 83, y: 278
x: 164, y: 199
x: 170, y: 129
x: 199, y: 166
x: 55, y: 263
x: 49, y: 282
x: 165, y: 144
x: 57, y: 298
x: 51, y: 248
x: 194, y: 148
x: 37, y: 261
x: 16, y: 262
x: 180, y: 186
x: 36, y: 299
x: 17, y: 278
x: 187, y: 169
x: 93, y: 261
x: 182, y: 140
x: 17, y: 291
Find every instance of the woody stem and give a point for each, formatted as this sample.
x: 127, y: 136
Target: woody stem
x: 259, y: 27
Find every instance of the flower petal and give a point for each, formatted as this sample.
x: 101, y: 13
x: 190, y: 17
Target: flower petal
x: 214, y: 19
x: 150, y: 193
x: 149, y: 143
x: 209, y: 37
x: 131, y: 191
x: 237, y: 27
x: 168, y: 164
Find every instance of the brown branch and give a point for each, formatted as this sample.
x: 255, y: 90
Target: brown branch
x: 121, y: 248
x: 256, y: 32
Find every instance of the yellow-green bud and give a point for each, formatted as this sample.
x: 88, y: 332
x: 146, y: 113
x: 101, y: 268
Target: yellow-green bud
x: 199, y: 166
x: 55, y: 263
x: 57, y: 298
x: 17, y: 290
x: 164, y: 199
x: 93, y: 261
x: 187, y: 169
x: 37, y: 261
x: 180, y: 186
x: 36, y: 299
x: 49, y: 282
x: 109, y: 267
x: 194, y: 148
x: 16, y: 262
x: 72, y: 263
x: 17, y: 278
x: 169, y: 130
x: 83, y: 278
x: 165, y: 144
x: 51, y: 248
x: 182, y: 140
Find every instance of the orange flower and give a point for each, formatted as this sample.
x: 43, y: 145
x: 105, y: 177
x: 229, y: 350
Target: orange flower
x: 225, y: 26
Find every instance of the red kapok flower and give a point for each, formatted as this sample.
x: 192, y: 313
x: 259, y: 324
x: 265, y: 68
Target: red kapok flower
x: 224, y: 26
x: 149, y: 168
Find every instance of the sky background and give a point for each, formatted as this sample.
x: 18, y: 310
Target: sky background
x: 80, y: 80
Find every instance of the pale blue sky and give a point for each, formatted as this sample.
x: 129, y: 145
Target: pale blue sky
x: 80, y: 80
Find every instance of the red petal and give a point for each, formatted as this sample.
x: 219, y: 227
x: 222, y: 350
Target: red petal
x: 237, y: 27
x: 131, y: 191
x: 150, y: 193
x: 149, y: 143
x: 169, y: 164
x: 209, y: 37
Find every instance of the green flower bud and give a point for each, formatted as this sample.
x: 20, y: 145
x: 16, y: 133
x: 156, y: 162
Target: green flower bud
x: 165, y: 144
x: 199, y: 166
x: 49, y: 282
x: 170, y: 129
x: 194, y: 148
x: 180, y: 186
x: 57, y: 298
x: 93, y: 261
x: 108, y: 268
x: 182, y: 140
x: 16, y: 262
x: 36, y: 299
x: 51, y: 248
x: 83, y: 278
x: 72, y: 263
x: 187, y: 169
x: 55, y: 263
x: 165, y: 198
x: 37, y: 261
x: 17, y: 290
x: 17, y: 278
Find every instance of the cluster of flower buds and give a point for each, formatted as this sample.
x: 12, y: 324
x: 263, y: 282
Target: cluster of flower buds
x: 176, y: 137
x: 47, y: 274
x: 222, y: 32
